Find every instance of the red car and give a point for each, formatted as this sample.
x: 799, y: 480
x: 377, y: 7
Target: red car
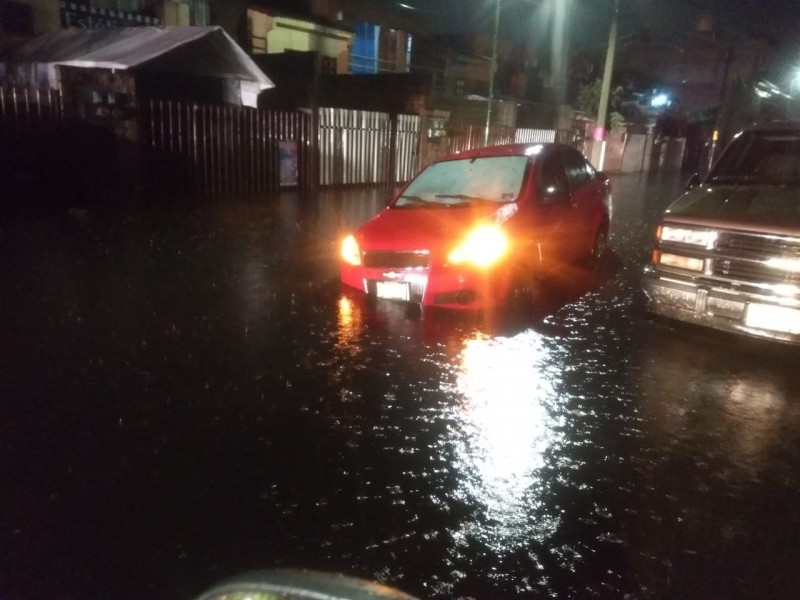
x: 475, y: 227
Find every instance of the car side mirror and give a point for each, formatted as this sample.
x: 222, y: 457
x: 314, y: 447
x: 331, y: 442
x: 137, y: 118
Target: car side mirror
x: 602, y: 176
x: 693, y: 182
x: 552, y: 196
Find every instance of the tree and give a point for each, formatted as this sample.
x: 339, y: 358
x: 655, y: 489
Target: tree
x: 589, y: 102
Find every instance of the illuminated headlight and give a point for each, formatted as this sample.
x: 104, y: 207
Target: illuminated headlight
x: 483, y: 247
x: 792, y: 265
x: 350, y: 251
x: 681, y: 235
x: 682, y: 262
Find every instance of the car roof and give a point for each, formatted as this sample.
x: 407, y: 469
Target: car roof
x: 503, y: 150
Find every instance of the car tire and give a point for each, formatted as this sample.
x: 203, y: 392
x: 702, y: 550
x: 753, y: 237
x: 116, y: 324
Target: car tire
x: 526, y: 289
x: 599, y: 251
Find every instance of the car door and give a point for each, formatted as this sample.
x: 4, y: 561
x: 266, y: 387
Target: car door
x: 587, y: 192
x: 555, y: 219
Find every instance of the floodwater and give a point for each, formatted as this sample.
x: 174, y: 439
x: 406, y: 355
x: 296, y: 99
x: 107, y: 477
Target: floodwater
x: 186, y: 394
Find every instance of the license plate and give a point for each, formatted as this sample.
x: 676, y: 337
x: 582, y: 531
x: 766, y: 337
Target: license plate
x: 393, y: 290
x: 773, y: 318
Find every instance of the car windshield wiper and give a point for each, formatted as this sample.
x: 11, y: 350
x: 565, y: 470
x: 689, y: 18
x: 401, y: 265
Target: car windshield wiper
x: 466, y: 199
x: 411, y: 200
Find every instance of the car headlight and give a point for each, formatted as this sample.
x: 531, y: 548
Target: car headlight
x: 483, y: 247
x: 350, y: 251
x: 684, y: 235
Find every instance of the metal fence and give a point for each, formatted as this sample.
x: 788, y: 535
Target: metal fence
x: 212, y: 150
x: 32, y: 132
x: 534, y: 136
x: 23, y: 110
x: 365, y: 147
x: 219, y: 150
x: 466, y: 137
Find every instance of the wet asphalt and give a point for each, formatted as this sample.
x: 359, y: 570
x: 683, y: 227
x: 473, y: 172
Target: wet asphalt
x: 186, y: 394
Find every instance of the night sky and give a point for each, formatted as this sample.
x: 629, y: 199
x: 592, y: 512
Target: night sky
x: 590, y: 19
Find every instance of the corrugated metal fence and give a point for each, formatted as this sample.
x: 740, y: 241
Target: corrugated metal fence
x: 212, y: 150
x: 465, y: 137
x: 219, y: 150
x: 22, y: 110
x: 365, y: 147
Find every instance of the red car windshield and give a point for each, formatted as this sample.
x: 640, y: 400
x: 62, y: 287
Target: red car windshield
x: 462, y: 182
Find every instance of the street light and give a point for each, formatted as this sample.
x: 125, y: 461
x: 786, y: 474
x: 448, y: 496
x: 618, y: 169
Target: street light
x: 599, y: 145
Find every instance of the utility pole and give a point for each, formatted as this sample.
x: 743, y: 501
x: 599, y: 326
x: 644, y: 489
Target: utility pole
x: 492, y: 72
x: 599, y: 145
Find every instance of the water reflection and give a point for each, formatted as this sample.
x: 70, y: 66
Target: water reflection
x: 348, y: 331
x: 761, y: 405
x: 504, y: 386
x: 704, y: 384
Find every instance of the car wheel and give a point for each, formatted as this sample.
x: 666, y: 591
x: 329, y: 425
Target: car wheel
x: 599, y: 251
x: 526, y: 289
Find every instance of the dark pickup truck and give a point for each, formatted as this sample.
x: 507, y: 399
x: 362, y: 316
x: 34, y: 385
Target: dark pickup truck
x: 727, y: 252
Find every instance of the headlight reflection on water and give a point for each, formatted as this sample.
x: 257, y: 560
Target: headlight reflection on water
x: 505, y: 385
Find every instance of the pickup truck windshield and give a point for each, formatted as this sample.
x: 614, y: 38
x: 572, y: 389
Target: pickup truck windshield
x: 755, y: 157
x: 465, y: 182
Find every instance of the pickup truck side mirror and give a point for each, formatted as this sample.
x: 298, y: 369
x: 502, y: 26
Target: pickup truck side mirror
x: 693, y: 182
x: 602, y: 176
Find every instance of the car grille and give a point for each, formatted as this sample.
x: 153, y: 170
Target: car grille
x: 741, y: 256
x: 384, y: 259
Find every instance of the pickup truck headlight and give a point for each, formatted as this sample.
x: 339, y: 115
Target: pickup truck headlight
x: 685, y: 235
x: 483, y: 247
x: 676, y: 260
x: 351, y: 253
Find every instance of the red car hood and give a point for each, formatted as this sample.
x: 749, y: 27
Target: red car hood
x: 422, y: 228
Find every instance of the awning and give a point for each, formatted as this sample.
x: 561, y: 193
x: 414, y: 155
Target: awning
x: 193, y: 50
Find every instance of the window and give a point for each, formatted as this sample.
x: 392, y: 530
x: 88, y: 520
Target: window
x: 551, y: 174
x: 579, y: 171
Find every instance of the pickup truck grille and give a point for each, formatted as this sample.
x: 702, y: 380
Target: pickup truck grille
x: 385, y: 259
x: 759, y: 246
x: 742, y: 256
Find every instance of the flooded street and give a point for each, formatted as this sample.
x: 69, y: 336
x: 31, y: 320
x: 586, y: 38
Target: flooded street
x: 186, y: 394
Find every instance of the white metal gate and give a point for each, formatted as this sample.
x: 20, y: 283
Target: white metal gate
x: 365, y: 147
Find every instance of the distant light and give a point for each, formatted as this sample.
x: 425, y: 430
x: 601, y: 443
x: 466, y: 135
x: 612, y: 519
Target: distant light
x: 406, y: 6
x: 534, y: 150
x: 659, y: 100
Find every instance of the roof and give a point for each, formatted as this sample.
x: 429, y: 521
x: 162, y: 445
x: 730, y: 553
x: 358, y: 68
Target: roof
x: 525, y: 149
x: 196, y: 50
